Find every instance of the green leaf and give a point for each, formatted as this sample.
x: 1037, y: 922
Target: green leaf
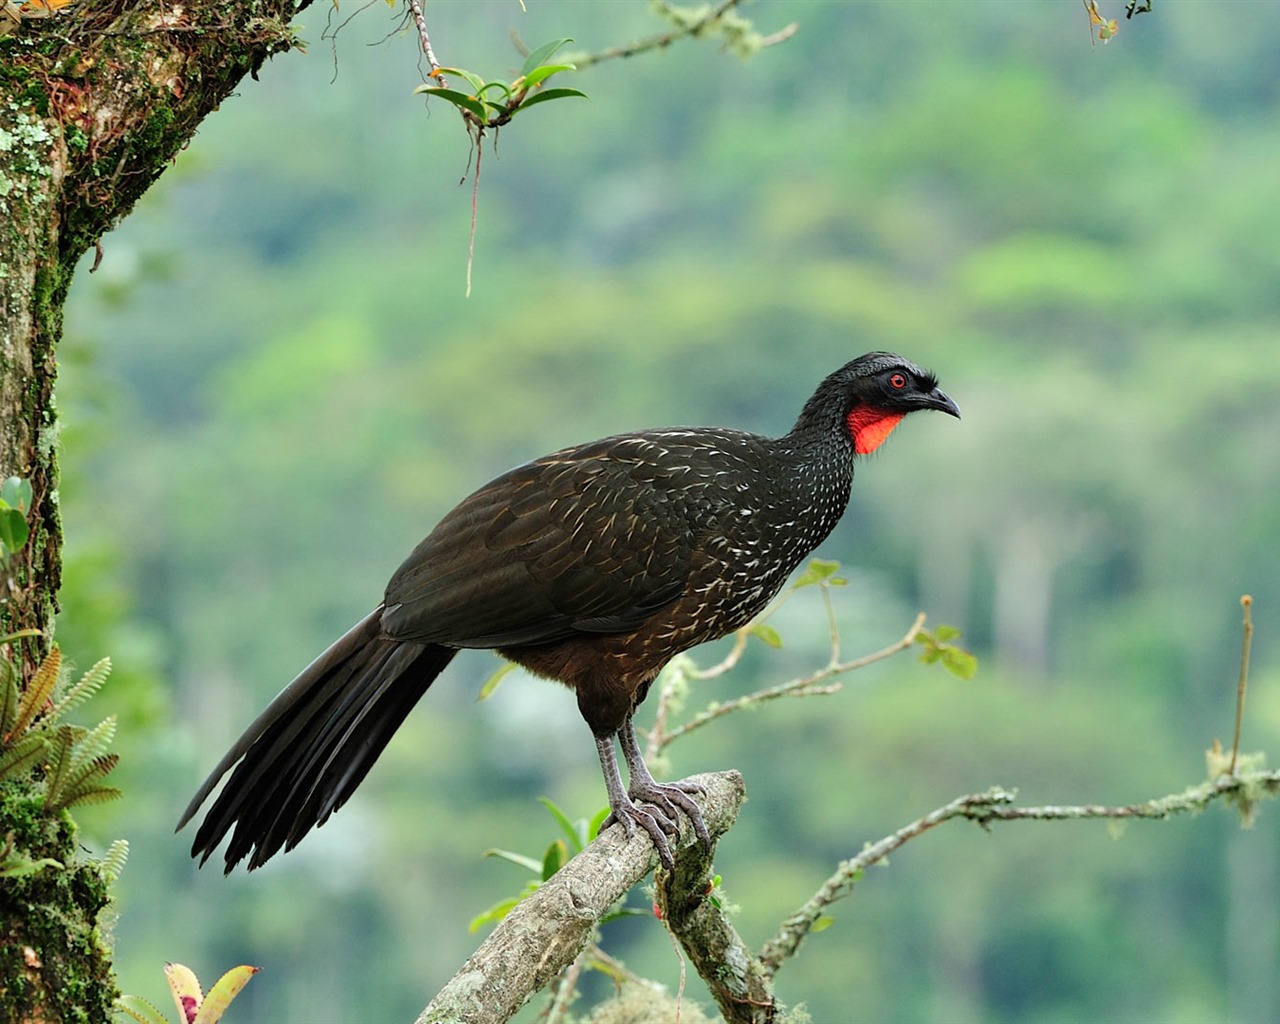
x: 494, y: 914
x: 140, y: 1010
x: 13, y: 529
x: 458, y: 99
x: 959, y: 662
x: 491, y: 684
x: 495, y: 84
x: 822, y: 924
x: 515, y: 858
x: 474, y: 80
x: 937, y: 648
x: 541, y: 75
x: 576, y: 831
x: 597, y: 819
x: 766, y: 633
x: 550, y: 94
x: 554, y: 859
x: 16, y: 493
x: 17, y: 867
x: 819, y: 570
x: 538, y: 56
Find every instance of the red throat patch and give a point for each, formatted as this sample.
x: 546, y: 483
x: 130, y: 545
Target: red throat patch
x: 869, y: 427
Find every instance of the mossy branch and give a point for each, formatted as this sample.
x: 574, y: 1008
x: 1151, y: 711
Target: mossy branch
x: 720, y: 20
x: 547, y: 931
x: 994, y: 805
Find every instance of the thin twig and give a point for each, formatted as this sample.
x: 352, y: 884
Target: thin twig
x: 983, y: 808
x: 1246, y: 602
x: 415, y: 8
x: 728, y: 663
x: 566, y: 986
x: 802, y: 686
x: 659, y: 41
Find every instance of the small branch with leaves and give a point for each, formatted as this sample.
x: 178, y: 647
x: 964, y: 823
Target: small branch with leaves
x: 937, y: 647
x: 689, y: 902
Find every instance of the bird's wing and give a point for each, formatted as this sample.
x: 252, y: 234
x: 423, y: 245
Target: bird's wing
x: 590, y: 540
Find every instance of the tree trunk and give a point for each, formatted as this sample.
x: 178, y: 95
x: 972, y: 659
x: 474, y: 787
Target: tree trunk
x: 95, y: 102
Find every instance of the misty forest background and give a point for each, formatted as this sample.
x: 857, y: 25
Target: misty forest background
x: 273, y: 387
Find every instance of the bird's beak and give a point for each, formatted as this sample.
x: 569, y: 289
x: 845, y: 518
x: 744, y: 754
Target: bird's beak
x: 940, y: 400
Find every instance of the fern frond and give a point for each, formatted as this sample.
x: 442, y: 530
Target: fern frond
x: 59, y: 765
x: 90, y: 771
x: 39, y: 690
x: 113, y: 861
x: 22, y: 755
x: 89, y: 684
x: 92, y: 743
x: 89, y: 794
x: 8, y: 698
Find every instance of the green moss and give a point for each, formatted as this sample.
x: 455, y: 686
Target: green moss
x: 153, y: 139
x: 51, y: 950
x: 77, y: 140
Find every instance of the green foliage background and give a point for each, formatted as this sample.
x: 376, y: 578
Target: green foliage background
x: 273, y: 387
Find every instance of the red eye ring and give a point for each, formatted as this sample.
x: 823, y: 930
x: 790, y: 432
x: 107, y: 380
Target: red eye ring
x: 898, y: 381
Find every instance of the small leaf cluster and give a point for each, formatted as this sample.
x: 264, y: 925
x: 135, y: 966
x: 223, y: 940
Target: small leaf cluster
x: 573, y: 839
x: 493, y: 103
x: 820, y: 572
x: 194, y: 1006
x: 938, y: 649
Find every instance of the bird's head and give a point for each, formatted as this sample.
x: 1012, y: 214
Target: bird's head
x: 873, y: 393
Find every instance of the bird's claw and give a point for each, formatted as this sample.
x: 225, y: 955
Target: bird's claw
x: 660, y: 818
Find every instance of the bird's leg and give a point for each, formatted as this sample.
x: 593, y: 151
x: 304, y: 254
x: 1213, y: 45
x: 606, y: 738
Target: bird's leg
x: 666, y: 796
x: 626, y: 812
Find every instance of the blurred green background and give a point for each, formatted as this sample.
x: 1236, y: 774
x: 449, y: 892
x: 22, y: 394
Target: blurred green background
x: 273, y: 387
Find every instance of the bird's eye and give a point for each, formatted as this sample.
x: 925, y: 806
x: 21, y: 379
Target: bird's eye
x: 898, y: 381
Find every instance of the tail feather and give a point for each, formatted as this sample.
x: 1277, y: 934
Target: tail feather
x: 307, y: 752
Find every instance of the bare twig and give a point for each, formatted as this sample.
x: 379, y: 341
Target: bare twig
x: 1246, y: 602
x: 415, y: 9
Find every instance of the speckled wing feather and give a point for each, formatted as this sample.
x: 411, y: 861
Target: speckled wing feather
x: 593, y: 539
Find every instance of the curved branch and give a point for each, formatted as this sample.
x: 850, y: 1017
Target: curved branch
x: 547, y: 931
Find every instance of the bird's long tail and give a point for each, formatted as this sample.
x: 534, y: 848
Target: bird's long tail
x: 308, y: 751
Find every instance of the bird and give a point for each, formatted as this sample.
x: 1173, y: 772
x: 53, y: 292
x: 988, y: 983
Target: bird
x: 593, y: 566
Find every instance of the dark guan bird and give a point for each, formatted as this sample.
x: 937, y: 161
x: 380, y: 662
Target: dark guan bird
x: 594, y: 566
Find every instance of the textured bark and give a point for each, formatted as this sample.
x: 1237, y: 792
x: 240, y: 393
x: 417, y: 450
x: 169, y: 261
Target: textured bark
x: 95, y: 101
x: 547, y: 931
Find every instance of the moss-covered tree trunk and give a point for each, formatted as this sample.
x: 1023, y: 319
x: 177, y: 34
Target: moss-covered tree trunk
x: 95, y: 101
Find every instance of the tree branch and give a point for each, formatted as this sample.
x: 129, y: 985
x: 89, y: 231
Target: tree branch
x: 995, y: 805
x: 547, y: 931
x: 689, y: 25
